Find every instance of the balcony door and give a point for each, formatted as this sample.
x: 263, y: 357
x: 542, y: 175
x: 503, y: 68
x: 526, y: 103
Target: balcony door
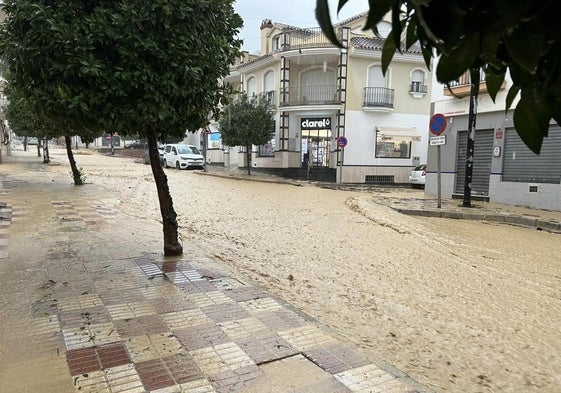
x: 318, y: 85
x: 376, y: 93
x: 375, y: 77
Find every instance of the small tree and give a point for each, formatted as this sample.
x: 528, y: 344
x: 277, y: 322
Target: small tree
x: 146, y: 67
x: 25, y: 120
x: 247, y: 122
x: 522, y: 37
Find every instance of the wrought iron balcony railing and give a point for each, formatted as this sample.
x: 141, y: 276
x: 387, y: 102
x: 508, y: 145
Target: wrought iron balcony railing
x: 269, y: 97
x: 310, y: 95
x: 304, y: 38
x: 417, y: 87
x: 378, y: 97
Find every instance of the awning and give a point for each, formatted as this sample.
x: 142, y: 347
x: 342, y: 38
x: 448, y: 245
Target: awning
x: 409, y: 134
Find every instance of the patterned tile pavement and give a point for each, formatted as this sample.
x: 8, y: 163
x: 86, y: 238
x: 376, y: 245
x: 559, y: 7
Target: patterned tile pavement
x: 190, y: 333
x: 147, y: 324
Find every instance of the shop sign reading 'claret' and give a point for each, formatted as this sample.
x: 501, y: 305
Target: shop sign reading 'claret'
x: 315, y: 123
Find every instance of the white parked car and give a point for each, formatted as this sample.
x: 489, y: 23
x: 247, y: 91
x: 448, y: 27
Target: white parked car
x: 417, y: 177
x: 183, y: 157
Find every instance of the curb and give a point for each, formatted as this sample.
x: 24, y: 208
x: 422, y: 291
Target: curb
x: 538, y: 224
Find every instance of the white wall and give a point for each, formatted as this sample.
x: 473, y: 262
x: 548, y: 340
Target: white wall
x: 361, y: 134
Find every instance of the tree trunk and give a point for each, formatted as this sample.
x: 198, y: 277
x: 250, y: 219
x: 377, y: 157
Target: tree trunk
x: 472, y: 116
x: 76, y: 174
x: 112, y: 146
x: 38, y: 147
x: 24, y: 143
x: 46, y: 157
x: 169, y: 216
x: 248, y: 152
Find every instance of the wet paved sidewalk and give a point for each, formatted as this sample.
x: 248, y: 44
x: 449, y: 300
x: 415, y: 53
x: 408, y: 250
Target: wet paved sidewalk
x: 90, y: 305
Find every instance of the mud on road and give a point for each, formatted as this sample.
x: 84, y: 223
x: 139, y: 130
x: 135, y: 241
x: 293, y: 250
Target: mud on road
x: 461, y: 306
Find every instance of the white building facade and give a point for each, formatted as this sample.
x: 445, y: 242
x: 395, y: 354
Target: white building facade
x: 335, y: 112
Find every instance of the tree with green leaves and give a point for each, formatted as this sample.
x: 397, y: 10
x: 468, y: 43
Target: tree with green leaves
x: 132, y: 66
x: 247, y: 122
x: 25, y: 120
x: 520, y: 37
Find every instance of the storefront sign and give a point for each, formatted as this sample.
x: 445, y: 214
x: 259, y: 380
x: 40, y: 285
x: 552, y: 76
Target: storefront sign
x: 315, y: 123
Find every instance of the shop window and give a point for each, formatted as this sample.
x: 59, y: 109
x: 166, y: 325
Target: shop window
x: 392, y: 146
x: 268, y: 149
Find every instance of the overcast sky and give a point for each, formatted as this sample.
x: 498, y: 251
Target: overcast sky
x: 299, y: 13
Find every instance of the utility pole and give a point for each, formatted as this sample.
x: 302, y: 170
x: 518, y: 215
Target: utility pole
x: 474, y: 78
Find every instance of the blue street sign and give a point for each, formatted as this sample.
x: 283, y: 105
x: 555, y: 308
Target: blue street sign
x: 437, y: 124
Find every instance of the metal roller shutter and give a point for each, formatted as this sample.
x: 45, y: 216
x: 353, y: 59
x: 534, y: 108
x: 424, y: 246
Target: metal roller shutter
x: 483, y: 154
x: 520, y: 164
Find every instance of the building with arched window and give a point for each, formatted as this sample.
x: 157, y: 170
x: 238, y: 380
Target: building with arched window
x: 322, y: 95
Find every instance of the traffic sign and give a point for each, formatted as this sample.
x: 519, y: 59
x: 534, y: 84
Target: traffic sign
x: 342, y: 141
x: 437, y: 124
x: 437, y: 140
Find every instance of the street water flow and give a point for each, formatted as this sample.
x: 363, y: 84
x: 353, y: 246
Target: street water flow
x: 455, y: 315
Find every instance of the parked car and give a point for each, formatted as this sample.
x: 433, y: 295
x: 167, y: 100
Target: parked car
x: 417, y: 177
x: 183, y: 157
x: 31, y: 140
x: 135, y: 145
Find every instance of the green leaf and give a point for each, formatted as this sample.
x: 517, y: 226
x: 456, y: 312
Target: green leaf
x: 490, y: 44
x: 378, y: 9
x: 531, y: 120
x: 526, y: 45
x: 324, y: 20
x: 411, y: 33
x: 512, y: 93
x: 427, y: 55
x: 453, y: 64
x: 494, y: 80
x: 341, y: 4
x: 397, y: 26
x: 388, y: 52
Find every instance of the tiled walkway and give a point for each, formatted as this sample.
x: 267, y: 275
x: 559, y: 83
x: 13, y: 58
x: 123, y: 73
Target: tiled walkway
x: 178, y: 327
x: 145, y: 323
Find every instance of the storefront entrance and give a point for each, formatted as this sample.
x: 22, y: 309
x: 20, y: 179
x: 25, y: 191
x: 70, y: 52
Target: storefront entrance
x: 316, y: 141
x: 316, y: 145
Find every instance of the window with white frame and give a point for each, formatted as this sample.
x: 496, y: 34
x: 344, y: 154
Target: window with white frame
x: 252, y: 86
x: 376, y: 92
x: 276, y: 42
x: 418, y: 87
x: 269, y: 86
x: 376, y: 77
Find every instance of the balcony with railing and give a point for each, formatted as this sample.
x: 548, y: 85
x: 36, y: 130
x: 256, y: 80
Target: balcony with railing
x: 417, y: 87
x: 378, y: 97
x: 269, y: 97
x: 462, y: 87
x: 304, y: 38
x: 310, y: 95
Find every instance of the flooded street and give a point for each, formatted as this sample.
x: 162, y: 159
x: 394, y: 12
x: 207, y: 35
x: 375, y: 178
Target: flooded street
x: 461, y: 306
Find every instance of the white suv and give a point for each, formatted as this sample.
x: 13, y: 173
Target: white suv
x: 183, y: 157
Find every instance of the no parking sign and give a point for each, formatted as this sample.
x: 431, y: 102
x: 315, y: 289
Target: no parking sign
x: 342, y: 141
